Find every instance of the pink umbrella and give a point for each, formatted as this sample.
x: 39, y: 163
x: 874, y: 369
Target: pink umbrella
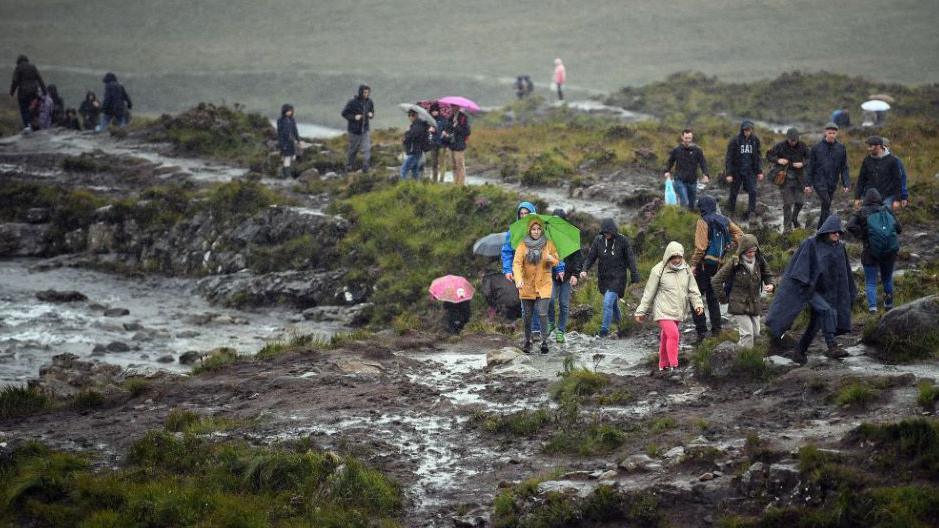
x: 462, y: 102
x: 445, y: 110
x: 451, y: 288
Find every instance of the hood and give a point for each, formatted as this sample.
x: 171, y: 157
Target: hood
x: 535, y: 220
x: 90, y: 96
x: 747, y: 241
x: 746, y: 123
x: 527, y: 205
x: 285, y: 108
x: 21, y: 59
x: 362, y: 88
x: 53, y: 91
x: 707, y: 205
x: 109, y: 77
x: 673, y: 248
x: 872, y: 197
x: 832, y: 224
x: 608, y: 225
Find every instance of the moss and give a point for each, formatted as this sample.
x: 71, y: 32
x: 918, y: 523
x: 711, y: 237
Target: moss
x: 927, y: 396
x: 547, y: 168
x: 915, y: 441
x: 856, y: 393
x: 21, y: 401
x: 185, y: 481
x: 587, y: 440
x: 521, y: 423
x: 218, y: 359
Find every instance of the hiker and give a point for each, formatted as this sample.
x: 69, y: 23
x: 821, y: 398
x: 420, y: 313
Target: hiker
x: 714, y: 235
x: 818, y: 276
x: 614, y: 257
x: 455, y: 133
x: 415, y: 139
x: 743, y: 166
x: 58, y: 106
x: 456, y: 315
x: 288, y: 139
x: 523, y: 86
x: 116, y: 103
x: 790, y: 156
x: 828, y: 164
x: 358, y: 112
x: 531, y: 267
x: 875, y: 225
x: 668, y: 292
x: 508, y: 253
x: 739, y: 283
x: 841, y: 117
x: 26, y: 86
x: 438, y: 143
x: 903, y: 190
x: 560, y: 77
x: 880, y: 170
x: 70, y: 121
x: 686, y: 158
x: 90, y: 110
x: 45, y: 107
x: 501, y: 295
x: 561, y: 293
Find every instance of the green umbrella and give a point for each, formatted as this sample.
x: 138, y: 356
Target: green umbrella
x: 565, y: 236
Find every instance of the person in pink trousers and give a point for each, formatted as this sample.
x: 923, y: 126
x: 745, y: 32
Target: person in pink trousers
x: 669, y: 289
x: 560, y: 77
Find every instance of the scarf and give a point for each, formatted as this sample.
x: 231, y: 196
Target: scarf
x: 534, y: 248
x: 748, y: 263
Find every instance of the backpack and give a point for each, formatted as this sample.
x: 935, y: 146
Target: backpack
x: 719, y: 241
x: 882, y: 237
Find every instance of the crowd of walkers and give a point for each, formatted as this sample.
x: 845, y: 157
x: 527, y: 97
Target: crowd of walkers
x: 41, y: 106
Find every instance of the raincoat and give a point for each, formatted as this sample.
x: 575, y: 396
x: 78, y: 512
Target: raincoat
x: 746, y: 285
x: 536, y: 282
x: 615, y: 258
x: 508, y: 252
x: 668, y: 290
x: 818, y: 266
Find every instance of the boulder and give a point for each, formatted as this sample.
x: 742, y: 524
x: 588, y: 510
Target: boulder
x: 38, y: 215
x: 721, y: 359
x: 502, y: 356
x: 639, y: 462
x: 116, y: 312
x: 66, y: 296
x: 118, y: 346
x: 301, y: 289
x: 909, y: 331
x: 23, y: 240
x: 67, y: 375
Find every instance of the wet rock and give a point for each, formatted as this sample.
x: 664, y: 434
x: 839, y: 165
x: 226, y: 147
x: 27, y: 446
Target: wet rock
x: 301, y: 289
x: 116, y: 312
x: 893, y: 333
x: 341, y: 314
x: 783, y: 478
x: 102, y: 238
x: 67, y: 375
x: 55, y: 296
x: 609, y: 474
x: 675, y: 453
x: 190, y: 357
x: 781, y: 362
x: 722, y: 358
x: 118, y: 346
x: 706, y: 476
x: 38, y: 215
x: 470, y: 520
x: 567, y: 487
x: 354, y: 366
x: 168, y: 358
x: 99, y: 350
x: 753, y: 482
x: 639, y: 462
x: 581, y: 312
x: 23, y: 240
x: 502, y: 356
x: 133, y: 327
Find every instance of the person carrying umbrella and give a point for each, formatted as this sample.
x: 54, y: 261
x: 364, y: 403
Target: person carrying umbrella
x: 456, y: 133
x: 508, y: 250
x: 614, y: 256
x: 531, y: 268
x: 438, y: 142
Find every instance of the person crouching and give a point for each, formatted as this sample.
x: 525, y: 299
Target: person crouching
x: 534, y: 258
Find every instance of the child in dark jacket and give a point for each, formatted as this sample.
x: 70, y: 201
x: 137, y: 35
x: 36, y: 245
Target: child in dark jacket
x: 288, y: 139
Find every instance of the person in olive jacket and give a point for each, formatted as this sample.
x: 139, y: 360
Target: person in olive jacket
x: 614, y: 256
x: 790, y: 156
x: 739, y: 283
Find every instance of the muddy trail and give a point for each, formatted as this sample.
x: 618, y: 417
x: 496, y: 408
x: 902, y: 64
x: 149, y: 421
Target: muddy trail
x: 427, y: 409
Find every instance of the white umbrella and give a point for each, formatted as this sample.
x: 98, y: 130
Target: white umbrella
x: 422, y: 114
x: 875, y: 106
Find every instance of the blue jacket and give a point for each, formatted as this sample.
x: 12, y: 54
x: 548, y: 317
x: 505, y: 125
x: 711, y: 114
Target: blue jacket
x: 508, y: 252
x: 818, y: 266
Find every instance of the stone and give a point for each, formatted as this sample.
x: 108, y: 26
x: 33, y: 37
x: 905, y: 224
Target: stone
x: 911, y: 329
x: 55, y: 296
x: 300, y: 289
x: 66, y: 375
x: 639, y: 462
x: 783, y: 477
x: 38, y: 215
x: 675, y: 452
x: 609, y: 474
x: 753, y: 481
x: 354, y: 366
x: 501, y: 356
x: 706, y: 476
x: 190, y: 357
x: 116, y: 312
x: 187, y: 334
x: 168, y: 358
x: 133, y: 327
x: 781, y: 362
x: 24, y: 240
x: 722, y: 359
x: 118, y: 346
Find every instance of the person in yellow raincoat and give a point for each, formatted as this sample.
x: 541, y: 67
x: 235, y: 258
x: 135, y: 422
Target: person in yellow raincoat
x: 531, y: 268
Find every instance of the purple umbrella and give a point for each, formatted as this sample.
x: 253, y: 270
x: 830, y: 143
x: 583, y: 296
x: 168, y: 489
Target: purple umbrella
x: 462, y: 102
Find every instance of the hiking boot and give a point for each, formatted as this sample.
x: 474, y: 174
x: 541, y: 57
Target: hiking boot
x: 836, y: 352
x: 559, y: 337
x: 799, y: 356
x: 872, y: 309
x: 888, y: 302
x: 527, y: 348
x: 544, y: 347
x: 796, y: 224
x: 550, y: 328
